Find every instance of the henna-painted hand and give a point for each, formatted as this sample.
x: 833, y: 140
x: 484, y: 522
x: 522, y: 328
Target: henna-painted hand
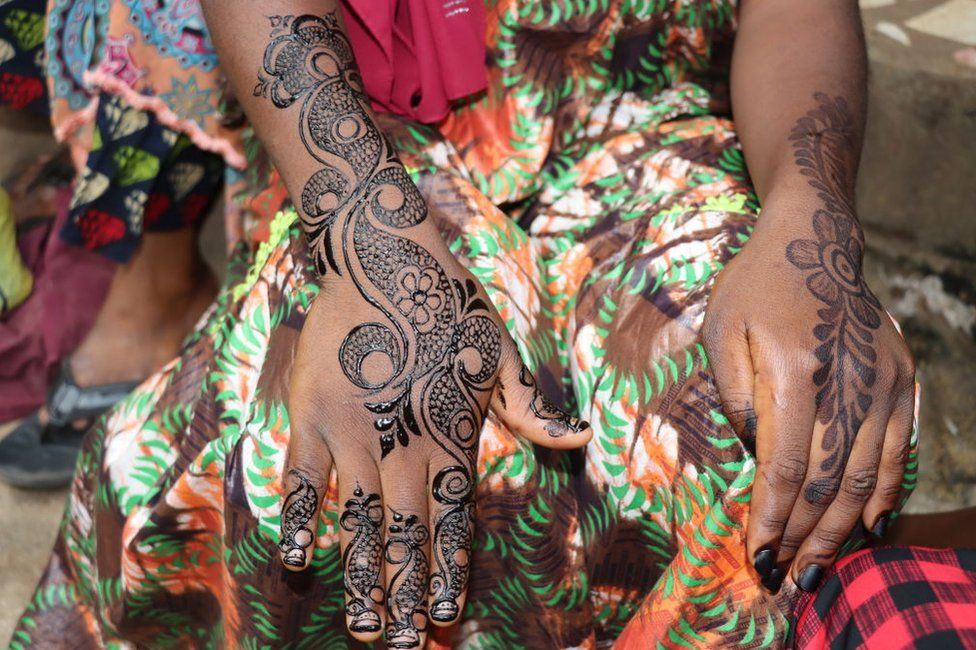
x: 808, y: 362
x: 399, y: 359
x: 395, y: 370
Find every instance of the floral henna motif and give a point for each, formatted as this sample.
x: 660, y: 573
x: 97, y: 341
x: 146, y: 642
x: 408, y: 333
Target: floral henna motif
x: 362, y: 560
x: 851, y: 313
x: 406, y: 596
x: 437, y: 332
x: 298, y: 511
x: 559, y: 424
x: 418, y: 298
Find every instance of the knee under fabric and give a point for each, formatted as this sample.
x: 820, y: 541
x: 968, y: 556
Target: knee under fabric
x: 16, y: 281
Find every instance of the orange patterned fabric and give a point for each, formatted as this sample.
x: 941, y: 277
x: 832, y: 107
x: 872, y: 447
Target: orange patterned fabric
x: 595, y: 191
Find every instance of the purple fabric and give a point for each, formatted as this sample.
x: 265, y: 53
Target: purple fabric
x: 69, y: 286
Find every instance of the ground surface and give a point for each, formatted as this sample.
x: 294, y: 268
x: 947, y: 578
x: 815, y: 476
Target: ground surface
x: 916, y: 198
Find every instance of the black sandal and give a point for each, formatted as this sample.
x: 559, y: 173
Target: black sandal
x: 39, y: 457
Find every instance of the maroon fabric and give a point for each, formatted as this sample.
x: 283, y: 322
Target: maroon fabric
x: 69, y: 286
x: 417, y: 56
x: 892, y: 598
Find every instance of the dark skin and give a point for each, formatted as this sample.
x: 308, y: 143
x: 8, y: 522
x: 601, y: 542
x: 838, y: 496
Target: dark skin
x: 401, y: 354
x: 830, y: 444
x: 801, y: 350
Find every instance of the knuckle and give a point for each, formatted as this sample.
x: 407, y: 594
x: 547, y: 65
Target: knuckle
x: 713, y: 328
x: 806, y: 364
x: 829, y: 537
x: 889, y: 491
x: 786, y: 472
x: 822, y: 491
x: 860, y: 484
x: 791, y: 541
x: 897, y: 455
x: 773, y: 522
x: 887, y: 374
x: 906, y: 363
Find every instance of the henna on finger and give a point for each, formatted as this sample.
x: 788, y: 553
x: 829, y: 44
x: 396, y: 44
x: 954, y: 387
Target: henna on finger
x: 363, y: 560
x: 453, y: 528
x: 296, y: 514
x: 558, y: 423
x: 427, y: 363
x: 406, y: 594
x: 846, y: 354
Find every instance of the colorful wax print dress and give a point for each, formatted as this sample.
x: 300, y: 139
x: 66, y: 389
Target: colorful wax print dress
x: 595, y: 189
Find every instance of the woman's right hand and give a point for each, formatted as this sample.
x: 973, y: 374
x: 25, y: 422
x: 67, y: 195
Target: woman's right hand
x: 397, y: 364
x: 401, y: 354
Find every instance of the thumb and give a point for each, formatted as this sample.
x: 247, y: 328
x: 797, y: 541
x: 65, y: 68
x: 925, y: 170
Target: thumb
x: 525, y: 409
x: 730, y: 354
x: 308, y: 465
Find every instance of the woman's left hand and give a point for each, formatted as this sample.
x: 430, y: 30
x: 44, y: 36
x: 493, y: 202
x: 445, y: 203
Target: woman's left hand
x: 807, y: 360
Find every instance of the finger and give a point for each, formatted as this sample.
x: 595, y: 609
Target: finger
x: 527, y: 411
x: 361, y: 540
x: 452, y: 514
x: 731, y: 359
x: 406, y: 553
x: 784, y: 428
x: 894, y: 456
x: 306, y: 478
x: 818, y: 551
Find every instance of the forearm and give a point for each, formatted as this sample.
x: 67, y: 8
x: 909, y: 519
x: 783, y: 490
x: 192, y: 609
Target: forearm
x: 792, y: 57
x: 292, y: 68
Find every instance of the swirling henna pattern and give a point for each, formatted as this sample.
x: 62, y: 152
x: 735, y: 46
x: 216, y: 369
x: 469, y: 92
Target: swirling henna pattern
x: 406, y: 599
x: 362, y: 559
x: 299, y: 509
x: 558, y: 423
x: 442, y: 346
x: 310, y: 60
x: 851, y: 313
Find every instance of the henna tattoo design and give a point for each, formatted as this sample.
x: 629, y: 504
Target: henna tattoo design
x: 362, y: 560
x: 298, y: 511
x: 559, y: 424
x: 406, y: 597
x: 440, y: 343
x: 822, y: 140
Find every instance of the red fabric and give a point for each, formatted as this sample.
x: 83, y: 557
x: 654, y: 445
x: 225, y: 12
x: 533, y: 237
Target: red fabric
x: 69, y: 286
x: 417, y: 56
x: 893, y: 598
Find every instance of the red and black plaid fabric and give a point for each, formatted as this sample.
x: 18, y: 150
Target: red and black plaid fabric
x: 892, y: 598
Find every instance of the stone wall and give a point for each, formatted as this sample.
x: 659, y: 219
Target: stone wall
x: 917, y: 200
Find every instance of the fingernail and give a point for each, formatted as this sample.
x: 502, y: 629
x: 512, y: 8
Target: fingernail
x: 810, y: 578
x: 764, y: 561
x: 444, y: 611
x: 881, y: 526
x: 774, y: 581
x: 366, y: 622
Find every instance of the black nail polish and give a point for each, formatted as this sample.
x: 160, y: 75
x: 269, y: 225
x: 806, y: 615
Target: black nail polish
x: 881, y: 526
x: 764, y: 561
x: 810, y: 578
x: 774, y: 581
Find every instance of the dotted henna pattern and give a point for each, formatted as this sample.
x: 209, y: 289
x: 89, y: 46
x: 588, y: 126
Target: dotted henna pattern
x: 442, y: 344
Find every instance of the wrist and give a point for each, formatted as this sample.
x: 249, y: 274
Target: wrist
x: 790, y: 204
